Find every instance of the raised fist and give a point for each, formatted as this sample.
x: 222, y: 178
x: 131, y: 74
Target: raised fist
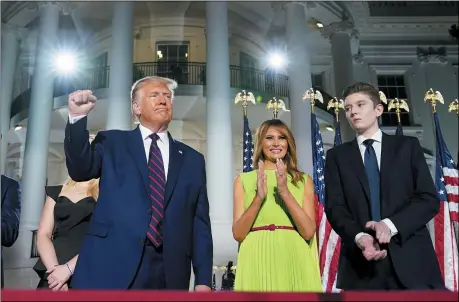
x: 81, y: 102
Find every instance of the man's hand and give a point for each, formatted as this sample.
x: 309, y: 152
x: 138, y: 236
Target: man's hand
x: 370, y: 248
x: 202, y: 288
x: 81, y: 102
x: 383, y: 234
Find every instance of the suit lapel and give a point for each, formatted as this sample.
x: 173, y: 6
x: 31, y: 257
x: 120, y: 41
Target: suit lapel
x: 387, y: 154
x: 137, y: 150
x: 357, y: 164
x: 175, y: 164
x: 3, y: 185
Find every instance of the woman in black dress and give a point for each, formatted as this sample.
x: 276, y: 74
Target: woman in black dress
x: 63, y: 223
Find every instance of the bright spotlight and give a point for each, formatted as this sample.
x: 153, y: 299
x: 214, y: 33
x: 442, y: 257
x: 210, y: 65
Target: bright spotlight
x: 319, y: 25
x: 276, y: 60
x: 65, y: 63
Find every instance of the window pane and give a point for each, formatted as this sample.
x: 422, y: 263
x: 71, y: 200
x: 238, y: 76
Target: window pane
x: 161, y: 53
x: 317, y: 80
x: 183, y: 53
x: 405, y: 119
x: 384, y: 90
x: 385, y: 118
x: 391, y: 81
x: 393, y: 119
x: 392, y: 92
x: 393, y: 86
x: 400, y: 80
x: 172, y: 52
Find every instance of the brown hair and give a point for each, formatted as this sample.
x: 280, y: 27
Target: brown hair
x: 93, y: 187
x: 290, y: 159
x: 364, y: 88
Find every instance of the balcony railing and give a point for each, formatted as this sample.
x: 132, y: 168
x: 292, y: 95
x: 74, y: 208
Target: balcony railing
x: 184, y: 73
x: 34, y: 248
x: 390, y: 119
x: 254, y: 80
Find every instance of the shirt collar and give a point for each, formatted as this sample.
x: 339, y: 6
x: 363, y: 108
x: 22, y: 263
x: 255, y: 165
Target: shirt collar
x: 145, y: 132
x: 377, y: 136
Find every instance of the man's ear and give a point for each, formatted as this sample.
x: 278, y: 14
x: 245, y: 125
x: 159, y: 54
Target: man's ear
x: 379, y: 110
x: 136, y: 108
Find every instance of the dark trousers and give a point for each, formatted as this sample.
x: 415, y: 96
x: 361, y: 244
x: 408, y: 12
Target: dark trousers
x: 384, y: 276
x: 150, y: 273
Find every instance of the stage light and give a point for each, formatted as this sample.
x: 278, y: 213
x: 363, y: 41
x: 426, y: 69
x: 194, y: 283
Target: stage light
x: 276, y: 60
x: 65, y: 63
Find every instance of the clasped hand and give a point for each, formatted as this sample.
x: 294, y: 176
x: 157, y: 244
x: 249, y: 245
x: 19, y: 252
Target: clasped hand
x: 370, y: 246
x: 58, y: 277
x: 382, y: 230
x: 262, y: 183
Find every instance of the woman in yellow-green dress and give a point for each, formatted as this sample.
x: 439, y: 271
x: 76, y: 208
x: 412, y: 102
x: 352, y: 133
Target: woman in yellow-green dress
x: 274, y: 219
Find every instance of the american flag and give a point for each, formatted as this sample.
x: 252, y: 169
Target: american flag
x: 328, y: 241
x: 444, y: 227
x: 247, y: 147
x: 399, y: 130
x: 337, y: 134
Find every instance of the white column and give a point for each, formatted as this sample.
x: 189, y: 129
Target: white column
x: 9, y: 56
x: 219, y: 144
x: 39, y: 119
x: 35, y: 163
x: 299, y: 72
x: 121, y: 63
x: 338, y: 33
x: 363, y: 72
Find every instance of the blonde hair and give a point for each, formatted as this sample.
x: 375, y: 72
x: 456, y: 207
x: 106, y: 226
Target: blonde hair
x: 93, y: 187
x: 290, y: 159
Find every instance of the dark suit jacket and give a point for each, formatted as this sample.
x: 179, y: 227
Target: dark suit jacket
x: 113, y: 245
x: 11, y: 212
x: 408, y: 199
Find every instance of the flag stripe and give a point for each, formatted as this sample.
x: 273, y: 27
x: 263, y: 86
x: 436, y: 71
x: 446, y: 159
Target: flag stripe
x: 445, y: 234
x: 329, y: 243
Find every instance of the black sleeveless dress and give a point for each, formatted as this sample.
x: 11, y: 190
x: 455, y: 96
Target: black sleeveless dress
x: 70, y: 222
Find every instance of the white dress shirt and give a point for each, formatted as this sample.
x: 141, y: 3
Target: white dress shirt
x: 163, y: 142
x: 163, y: 145
x: 377, y: 144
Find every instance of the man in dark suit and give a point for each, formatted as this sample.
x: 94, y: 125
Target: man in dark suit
x: 379, y: 198
x: 11, y: 212
x: 152, y: 215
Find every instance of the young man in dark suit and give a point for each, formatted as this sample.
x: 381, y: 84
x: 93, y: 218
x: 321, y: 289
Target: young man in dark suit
x: 11, y: 212
x: 379, y: 198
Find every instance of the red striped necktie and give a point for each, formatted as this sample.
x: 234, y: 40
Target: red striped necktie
x: 156, y: 190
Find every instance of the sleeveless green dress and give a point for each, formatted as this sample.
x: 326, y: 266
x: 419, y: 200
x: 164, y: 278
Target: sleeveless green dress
x: 280, y: 260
